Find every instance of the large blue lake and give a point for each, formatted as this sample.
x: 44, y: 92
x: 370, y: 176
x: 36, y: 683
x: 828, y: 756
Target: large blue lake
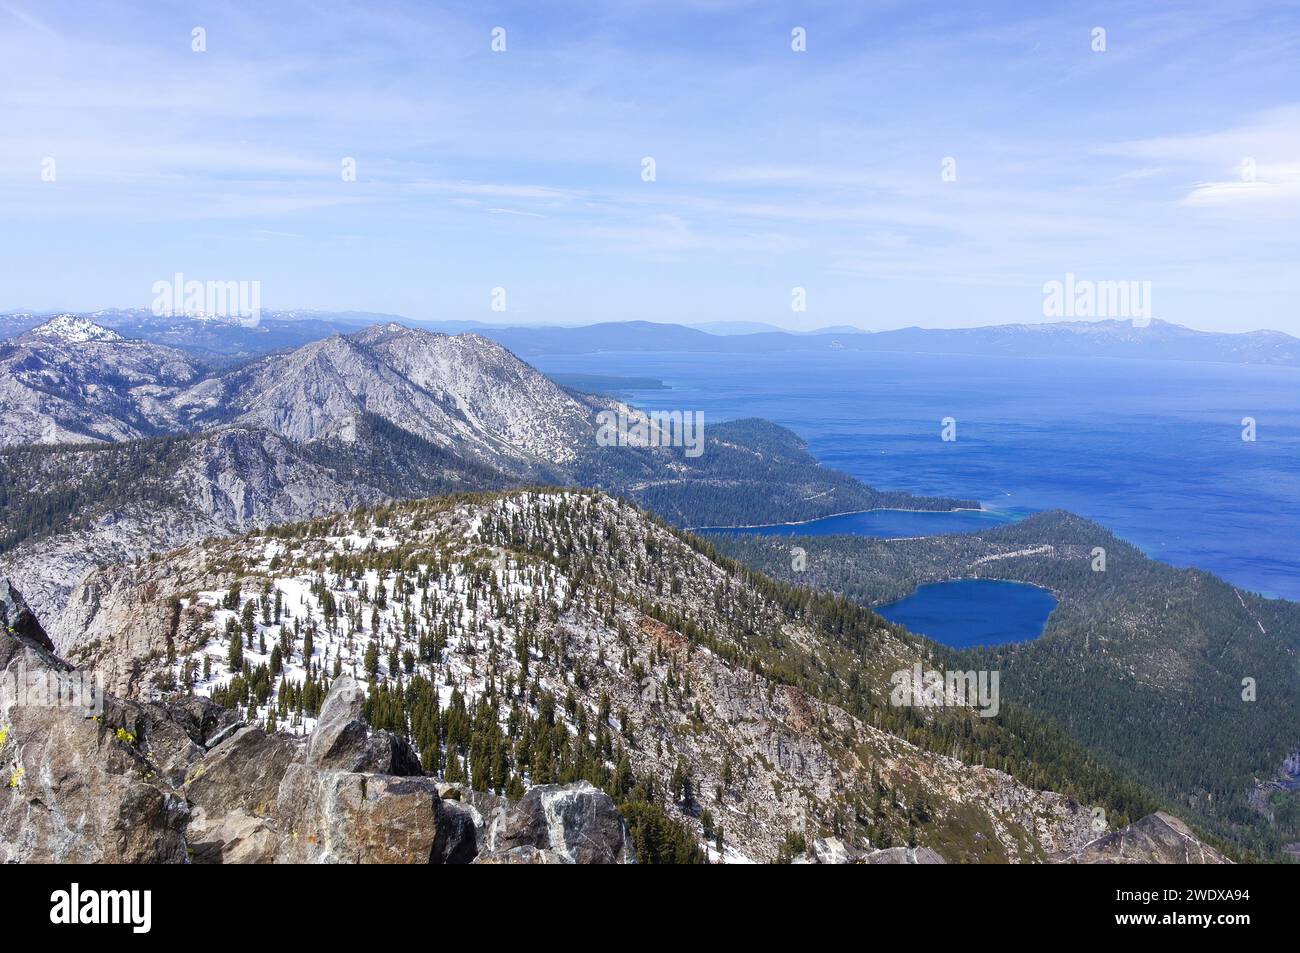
x: 1150, y: 449
x: 968, y: 612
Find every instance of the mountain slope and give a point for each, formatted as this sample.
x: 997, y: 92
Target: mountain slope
x: 1158, y: 839
x: 497, y: 393
x: 583, y: 639
x: 319, y: 392
x: 71, y: 380
x: 107, y: 780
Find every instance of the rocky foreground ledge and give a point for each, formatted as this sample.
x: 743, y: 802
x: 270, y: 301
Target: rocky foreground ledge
x: 180, y: 781
x: 188, y: 781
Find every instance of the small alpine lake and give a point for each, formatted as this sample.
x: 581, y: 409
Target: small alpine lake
x: 962, y: 613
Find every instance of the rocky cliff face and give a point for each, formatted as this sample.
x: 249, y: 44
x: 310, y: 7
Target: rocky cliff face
x: 223, y: 481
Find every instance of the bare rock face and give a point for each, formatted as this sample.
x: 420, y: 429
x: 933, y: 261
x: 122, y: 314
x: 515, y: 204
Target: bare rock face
x: 23, y: 642
x: 171, y: 735
x: 80, y: 787
x: 79, y: 794
x: 77, y: 787
x: 564, y: 824
x: 462, y: 823
x: 115, y: 625
x: 1158, y: 838
x: 348, y: 817
x: 386, y: 753
x: 233, y: 794
x: 341, y: 730
x: 17, y: 619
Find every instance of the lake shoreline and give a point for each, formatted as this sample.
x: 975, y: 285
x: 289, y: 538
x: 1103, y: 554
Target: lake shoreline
x: 831, y: 516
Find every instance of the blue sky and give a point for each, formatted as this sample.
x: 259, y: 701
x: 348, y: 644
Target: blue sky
x: 774, y: 169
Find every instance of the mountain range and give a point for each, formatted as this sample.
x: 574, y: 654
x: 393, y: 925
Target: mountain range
x: 1113, y: 339
x: 216, y: 342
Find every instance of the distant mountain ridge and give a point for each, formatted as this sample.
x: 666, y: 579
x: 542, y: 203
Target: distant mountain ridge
x: 212, y: 340
x: 1159, y: 340
x: 71, y: 379
x: 221, y: 343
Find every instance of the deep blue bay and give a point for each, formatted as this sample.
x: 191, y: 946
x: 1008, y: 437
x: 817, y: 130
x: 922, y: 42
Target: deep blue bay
x: 962, y: 613
x: 883, y: 524
x: 1150, y: 449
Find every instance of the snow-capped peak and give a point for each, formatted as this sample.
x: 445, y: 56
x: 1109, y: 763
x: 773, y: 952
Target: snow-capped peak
x: 73, y: 329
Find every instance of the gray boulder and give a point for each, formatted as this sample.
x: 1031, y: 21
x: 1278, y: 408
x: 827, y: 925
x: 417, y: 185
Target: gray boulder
x: 568, y: 824
x: 339, y: 739
x: 234, y: 792
x: 386, y: 753
x: 465, y: 818
x: 336, y: 817
x: 343, y: 740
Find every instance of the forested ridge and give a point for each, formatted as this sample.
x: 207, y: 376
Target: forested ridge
x: 387, y: 613
x: 1141, y: 663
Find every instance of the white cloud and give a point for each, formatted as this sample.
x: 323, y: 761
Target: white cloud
x: 1262, y: 153
x: 1284, y: 189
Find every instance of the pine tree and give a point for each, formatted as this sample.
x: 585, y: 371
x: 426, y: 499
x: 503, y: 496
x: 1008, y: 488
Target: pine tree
x: 235, y: 656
